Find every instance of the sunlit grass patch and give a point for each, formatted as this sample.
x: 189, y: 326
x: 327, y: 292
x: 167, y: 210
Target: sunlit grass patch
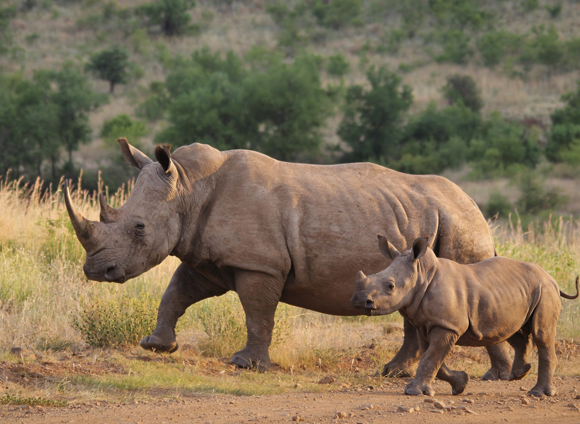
x: 10, y: 399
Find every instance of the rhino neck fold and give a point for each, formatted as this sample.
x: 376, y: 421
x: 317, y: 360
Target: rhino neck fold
x: 426, y: 272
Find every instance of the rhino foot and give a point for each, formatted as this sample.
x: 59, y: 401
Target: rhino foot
x: 155, y: 344
x: 398, y: 369
x: 521, y: 373
x: 539, y: 390
x: 495, y: 373
x: 247, y: 359
x: 459, y: 382
x: 414, y: 389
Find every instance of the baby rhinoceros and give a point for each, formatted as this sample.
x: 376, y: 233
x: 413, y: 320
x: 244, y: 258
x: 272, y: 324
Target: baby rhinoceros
x: 469, y: 305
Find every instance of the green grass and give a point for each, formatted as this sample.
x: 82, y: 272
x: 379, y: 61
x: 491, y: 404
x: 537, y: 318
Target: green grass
x: 10, y: 399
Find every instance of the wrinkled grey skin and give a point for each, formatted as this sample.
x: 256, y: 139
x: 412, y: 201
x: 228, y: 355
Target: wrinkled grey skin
x: 469, y: 305
x: 273, y: 232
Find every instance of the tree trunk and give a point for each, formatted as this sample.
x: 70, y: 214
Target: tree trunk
x: 111, y: 87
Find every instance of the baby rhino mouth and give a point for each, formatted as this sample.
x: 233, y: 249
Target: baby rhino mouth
x: 115, y: 274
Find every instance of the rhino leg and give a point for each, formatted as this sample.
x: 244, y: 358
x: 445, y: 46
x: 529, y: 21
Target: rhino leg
x: 500, y: 362
x: 522, y: 345
x: 457, y: 379
x: 544, y: 335
x: 440, y: 342
x: 402, y: 365
x: 185, y: 288
x: 259, y: 295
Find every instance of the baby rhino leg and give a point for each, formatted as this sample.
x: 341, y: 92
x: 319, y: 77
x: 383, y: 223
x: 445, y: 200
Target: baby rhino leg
x: 543, y: 329
x: 440, y: 342
x: 522, y: 344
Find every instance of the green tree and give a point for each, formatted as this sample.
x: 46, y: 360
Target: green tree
x: 74, y: 99
x: 337, y: 65
x: 336, y: 14
x: 110, y: 65
x: 6, y: 16
x: 171, y: 15
x: 564, y: 138
x: 373, y: 120
x: 462, y: 88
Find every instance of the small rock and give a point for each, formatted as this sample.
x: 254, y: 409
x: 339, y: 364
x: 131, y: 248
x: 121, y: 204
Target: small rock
x: 16, y: 351
x: 577, y: 397
x: 367, y: 407
x: 523, y: 389
x: 405, y: 409
x: 573, y: 406
x: 437, y: 411
x: 469, y: 411
x: 297, y: 385
x: 326, y: 380
x: 232, y: 402
x: 298, y: 418
x: 467, y: 400
x: 439, y: 405
x: 525, y: 401
x: 429, y: 400
x: 340, y: 415
x: 461, y: 408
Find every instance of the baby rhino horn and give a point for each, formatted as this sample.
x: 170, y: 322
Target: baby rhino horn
x: 361, y: 277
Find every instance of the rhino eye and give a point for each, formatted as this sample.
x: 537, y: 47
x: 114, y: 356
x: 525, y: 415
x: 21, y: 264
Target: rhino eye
x: 140, y: 226
x: 390, y: 286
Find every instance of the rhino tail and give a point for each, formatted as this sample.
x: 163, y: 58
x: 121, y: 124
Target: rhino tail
x: 567, y: 296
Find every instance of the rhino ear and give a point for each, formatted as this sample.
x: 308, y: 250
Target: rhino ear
x: 132, y: 155
x: 163, y: 156
x: 419, y: 247
x: 386, y: 248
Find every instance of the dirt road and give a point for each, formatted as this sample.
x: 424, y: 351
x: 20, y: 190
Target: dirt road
x: 484, y: 402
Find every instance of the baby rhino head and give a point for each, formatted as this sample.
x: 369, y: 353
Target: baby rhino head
x: 391, y: 289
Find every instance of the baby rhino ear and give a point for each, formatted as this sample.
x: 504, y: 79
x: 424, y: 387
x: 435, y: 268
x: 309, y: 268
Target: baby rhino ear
x: 386, y: 248
x: 420, y: 247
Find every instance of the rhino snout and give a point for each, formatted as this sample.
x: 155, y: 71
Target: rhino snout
x: 115, y: 274
x: 370, y: 304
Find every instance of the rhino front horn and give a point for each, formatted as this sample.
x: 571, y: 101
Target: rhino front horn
x: 82, y: 226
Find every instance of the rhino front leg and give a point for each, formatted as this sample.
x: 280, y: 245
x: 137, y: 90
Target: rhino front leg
x: 259, y: 294
x: 500, y: 362
x: 402, y: 365
x: 440, y: 342
x: 185, y: 288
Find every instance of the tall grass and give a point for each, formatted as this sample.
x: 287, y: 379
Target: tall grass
x: 44, y: 294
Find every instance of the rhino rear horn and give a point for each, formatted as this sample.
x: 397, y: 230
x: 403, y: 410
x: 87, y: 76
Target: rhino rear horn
x: 387, y: 249
x: 84, y: 229
x: 108, y: 214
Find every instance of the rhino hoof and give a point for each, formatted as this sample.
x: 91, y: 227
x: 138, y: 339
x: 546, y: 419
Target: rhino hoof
x: 155, y: 344
x: 393, y: 371
x: 521, y: 374
x: 540, y: 391
x: 243, y: 362
x: 494, y: 374
x: 460, y: 383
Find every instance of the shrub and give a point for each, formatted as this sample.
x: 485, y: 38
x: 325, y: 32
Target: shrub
x: 462, y: 88
x: 116, y: 321
x: 498, y: 205
x: 459, y: 13
x: 456, y: 46
x: 534, y: 197
x: 554, y: 10
x: 372, y: 122
x: 496, y: 45
x: 154, y: 107
x: 336, y: 14
x: 565, y: 130
x: 171, y: 15
x: 530, y: 5
x: 544, y: 48
x: 110, y: 65
x: 337, y: 65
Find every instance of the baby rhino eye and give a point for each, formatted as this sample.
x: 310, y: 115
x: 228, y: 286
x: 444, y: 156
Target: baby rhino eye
x: 390, y: 286
x: 140, y: 226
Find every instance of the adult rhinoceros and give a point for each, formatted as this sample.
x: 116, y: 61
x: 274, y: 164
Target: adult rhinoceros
x: 273, y: 232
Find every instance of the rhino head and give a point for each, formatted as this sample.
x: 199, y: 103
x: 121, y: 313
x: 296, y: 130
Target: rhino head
x: 391, y: 289
x: 128, y: 241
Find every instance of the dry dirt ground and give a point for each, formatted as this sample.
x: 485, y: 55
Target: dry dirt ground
x: 484, y: 402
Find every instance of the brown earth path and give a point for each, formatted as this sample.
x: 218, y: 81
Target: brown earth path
x: 486, y: 402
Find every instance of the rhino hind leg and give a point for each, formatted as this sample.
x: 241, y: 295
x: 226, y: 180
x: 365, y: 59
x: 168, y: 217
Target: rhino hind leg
x: 457, y: 379
x: 185, y: 288
x: 522, y: 344
x: 259, y: 295
x: 403, y: 364
x: 544, y: 335
x: 500, y: 362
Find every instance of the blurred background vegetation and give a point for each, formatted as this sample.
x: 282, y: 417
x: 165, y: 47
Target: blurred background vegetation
x: 483, y: 92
